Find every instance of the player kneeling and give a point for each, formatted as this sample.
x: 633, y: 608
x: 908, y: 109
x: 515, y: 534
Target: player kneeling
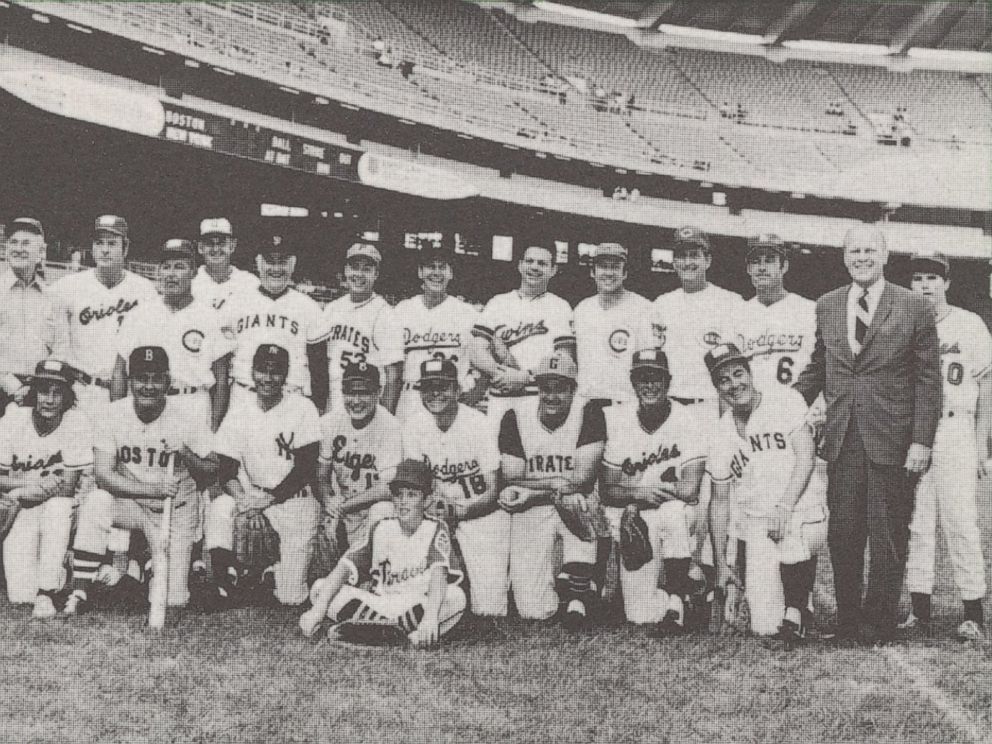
x: 400, y: 582
x: 44, y: 447
x: 764, y: 445
x: 150, y: 448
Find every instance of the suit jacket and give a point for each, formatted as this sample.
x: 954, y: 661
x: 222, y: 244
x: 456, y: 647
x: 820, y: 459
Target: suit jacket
x: 892, y: 388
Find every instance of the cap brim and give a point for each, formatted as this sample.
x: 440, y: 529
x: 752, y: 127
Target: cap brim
x: 739, y: 359
x: 553, y: 375
x: 50, y: 377
x: 26, y: 227
x: 928, y: 263
x: 110, y: 230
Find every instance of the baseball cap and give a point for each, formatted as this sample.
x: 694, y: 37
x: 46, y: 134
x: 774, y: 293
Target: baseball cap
x: 148, y: 359
x: 931, y: 261
x: 111, y: 223
x: 438, y: 369
x: 722, y: 355
x: 363, y: 250
x: 271, y: 355
x: 29, y: 224
x: 609, y: 250
x: 178, y: 248
x: 215, y: 226
x: 277, y: 245
x: 557, y: 366
x: 688, y: 236
x: 52, y: 369
x: 360, y: 375
x: 767, y: 242
x: 650, y: 359
x: 415, y: 474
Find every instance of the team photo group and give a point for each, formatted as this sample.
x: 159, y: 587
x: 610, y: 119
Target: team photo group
x: 216, y: 438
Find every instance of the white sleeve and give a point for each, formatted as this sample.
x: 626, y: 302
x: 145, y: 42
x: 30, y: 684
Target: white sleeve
x: 387, y: 335
x: 317, y: 326
x: 981, y: 349
x: 226, y: 441
x: 309, y: 423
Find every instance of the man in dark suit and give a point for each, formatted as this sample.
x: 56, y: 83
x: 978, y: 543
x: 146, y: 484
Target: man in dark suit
x: 877, y: 362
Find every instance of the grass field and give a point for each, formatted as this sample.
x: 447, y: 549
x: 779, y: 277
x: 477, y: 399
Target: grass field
x: 248, y: 676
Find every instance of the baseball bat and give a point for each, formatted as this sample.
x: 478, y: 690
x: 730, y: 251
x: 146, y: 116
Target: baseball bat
x: 159, y: 597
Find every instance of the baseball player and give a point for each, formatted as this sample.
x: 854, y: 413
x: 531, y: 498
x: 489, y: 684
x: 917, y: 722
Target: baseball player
x: 764, y: 446
x: 361, y: 444
x: 609, y: 327
x: 148, y: 448
x: 268, y: 450
x: 435, y: 325
x: 455, y: 441
x: 90, y: 306
x: 216, y: 281
x: 653, y: 465
x: 189, y: 330
x: 275, y: 313
x: 401, y: 576
x: 363, y: 327
x: 517, y: 330
x: 44, y: 447
x: 550, y: 450
x: 948, y: 488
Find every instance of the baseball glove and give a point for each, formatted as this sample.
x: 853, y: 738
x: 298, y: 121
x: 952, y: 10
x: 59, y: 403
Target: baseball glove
x: 9, y: 509
x: 326, y: 548
x: 586, y: 519
x: 635, y: 543
x: 256, y: 543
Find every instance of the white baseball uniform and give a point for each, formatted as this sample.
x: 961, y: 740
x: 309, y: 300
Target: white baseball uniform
x: 760, y: 463
x: 533, y: 532
x: 360, y: 458
x: 87, y: 315
x: 291, y: 320
x: 432, y: 333
x: 607, y: 339
x: 217, y: 294
x: 148, y: 453
x: 389, y: 576
x: 531, y: 328
x: 35, y: 548
x: 779, y: 338
x: 459, y: 458
x: 949, y: 487
x: 647, y: 458
x: 262, y: 442
x: 360, y: 332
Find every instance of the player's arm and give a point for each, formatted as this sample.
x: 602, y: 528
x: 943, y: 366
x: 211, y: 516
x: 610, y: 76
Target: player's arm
x: 220, y: 393
x: 983, y: 422
x: 813, y: 378
x: 719, y: 519
x: 482, y: 355
x: 392, y: 384
x: 482, y: 503
x: 320, y: 384
x: 227, y: 477
x: 804, y: 446
x: 118, y: 381
x: 325, y: 487
x: 122, y: 485
x: 518, y: 492
x: 60, y: 330
x: 303, y: 473
x: 203, y: 470
x: 31, y: 493
x: 427, y: 633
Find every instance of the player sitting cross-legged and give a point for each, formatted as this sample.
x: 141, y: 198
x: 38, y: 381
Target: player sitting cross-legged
x: 400, y: 581
x: 763, y: 444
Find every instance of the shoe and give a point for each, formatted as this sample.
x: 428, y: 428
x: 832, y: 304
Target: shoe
x: 872, y: 636
x: 311, y: 620
x: 840, y: 635
x: 790, y: 634
x: 44, y: 608
x: 669, y: 627
x: 970, y: 630
x: 914, y: 629
x: 76, y: 604
x: 574, y: 618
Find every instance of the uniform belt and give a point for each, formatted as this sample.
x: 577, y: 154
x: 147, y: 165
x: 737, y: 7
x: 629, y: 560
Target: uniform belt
x: 186, y: 389
x: 527, y: 391
x: 161, y: 506
x: 90, y: 380
x: 953, y: 413
x: 286, y: 388
x: 688, y: 401
x: 301, y: 494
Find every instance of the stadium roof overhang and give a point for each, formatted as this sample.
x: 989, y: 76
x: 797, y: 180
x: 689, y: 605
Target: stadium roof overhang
x: 903, y: 35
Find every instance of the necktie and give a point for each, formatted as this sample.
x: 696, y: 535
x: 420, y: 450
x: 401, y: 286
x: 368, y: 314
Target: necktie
x: 861, y: 322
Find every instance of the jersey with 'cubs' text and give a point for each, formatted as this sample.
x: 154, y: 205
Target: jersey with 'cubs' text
x: 965, y: 357
x: 291, y: 320
x: 264, y: 441
x: 393, y: 562
x: 531, y: 327
x: 27, y: 455
x: 761, y: 461
x: 779, y: 338
x: 360, y: 457
x: 148, y: 451
x: 192, y: 337
x: 459, y: 457
x: 650, y: 458
x: 360, y: 332
x: 432, y: 333
x: 607, y: 339
x: 686, y: 326
x: 217, y: 294
x: 548, y: 453
x: 87, y: 315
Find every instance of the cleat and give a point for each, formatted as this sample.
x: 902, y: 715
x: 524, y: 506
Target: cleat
x: 575, y: 618
x: 669, y: 627
x: 76, y: 604
x: 914, y: 628
x: 311, y: 620
x: 790, y: 634
x: 44, y: 608
x: 970, y: 630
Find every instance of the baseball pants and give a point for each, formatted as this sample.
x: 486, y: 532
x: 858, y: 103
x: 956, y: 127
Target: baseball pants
x: 947, y: 491
x: 669, y: 531
x: 295, y: 521
x: 395, y: 606
x: 100, y: 511
x: 806, y: 535
x: 706, y: 414
x: 35, y: 548
x: 485, y: 547
x: 533, y: 534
